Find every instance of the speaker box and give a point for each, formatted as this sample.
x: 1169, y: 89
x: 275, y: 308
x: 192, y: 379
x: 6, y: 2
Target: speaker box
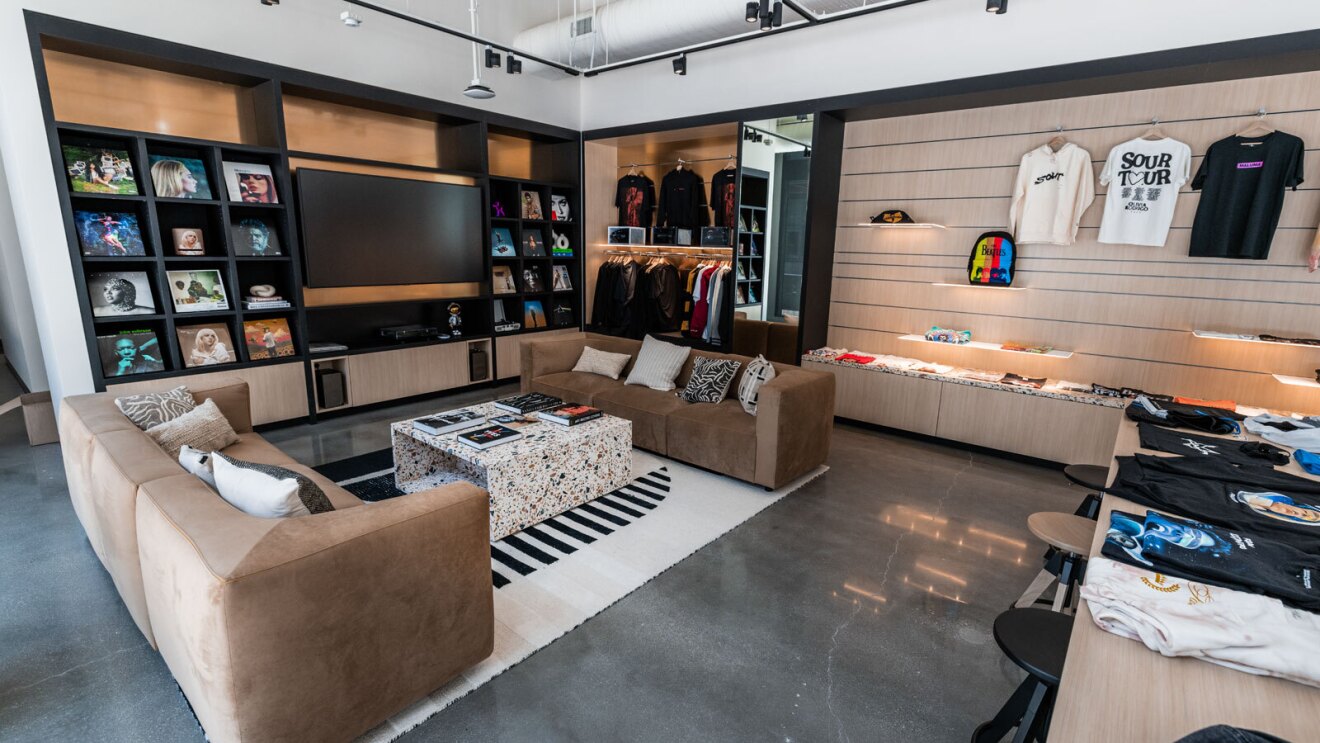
x: 330, y: 392
x: 478, y: 369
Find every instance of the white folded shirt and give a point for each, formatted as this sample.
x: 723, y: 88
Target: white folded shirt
x: 1306, y: 436
x: 1176, y: 617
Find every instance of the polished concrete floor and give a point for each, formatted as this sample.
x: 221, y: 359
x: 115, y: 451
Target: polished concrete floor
x: 857, y: 609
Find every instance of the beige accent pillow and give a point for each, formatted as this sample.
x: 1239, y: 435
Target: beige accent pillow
x: 604, y: 363
x: 204, y: 428
x: 658, y: 364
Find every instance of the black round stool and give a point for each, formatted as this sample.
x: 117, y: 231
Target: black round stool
x: 1094, y: 479
x: 1037, y: 641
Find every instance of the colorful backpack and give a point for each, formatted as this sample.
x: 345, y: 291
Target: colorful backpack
x: 991, y: 261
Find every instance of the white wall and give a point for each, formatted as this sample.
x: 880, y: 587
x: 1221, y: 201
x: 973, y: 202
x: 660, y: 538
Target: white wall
x: 933, y: 41
x: 304, y: 34
x: 18, y: 321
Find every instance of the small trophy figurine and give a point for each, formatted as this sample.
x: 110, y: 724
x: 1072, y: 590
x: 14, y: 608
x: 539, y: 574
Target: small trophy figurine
x: 455, y: 319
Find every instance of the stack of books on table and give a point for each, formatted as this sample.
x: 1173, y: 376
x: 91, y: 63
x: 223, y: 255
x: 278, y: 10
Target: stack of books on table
x: 488, y: 436
x: 529, y: 403
x: 275, y: 302
x: 454, y: 420
x: 570, y: 415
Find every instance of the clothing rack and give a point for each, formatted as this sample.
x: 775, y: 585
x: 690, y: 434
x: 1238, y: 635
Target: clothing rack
x: 669, y: 252
x: 676, y: 162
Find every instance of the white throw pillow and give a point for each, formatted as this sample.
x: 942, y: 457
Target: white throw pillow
x: 197, y: 463
x: 265, y: 490
x: 604, y: 363
x: 759, y: 371
x: 658, y: 364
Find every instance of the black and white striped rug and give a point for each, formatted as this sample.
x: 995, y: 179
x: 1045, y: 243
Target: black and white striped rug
x: 554, y: 576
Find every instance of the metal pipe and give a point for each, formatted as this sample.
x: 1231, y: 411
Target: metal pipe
x: 462, y: 35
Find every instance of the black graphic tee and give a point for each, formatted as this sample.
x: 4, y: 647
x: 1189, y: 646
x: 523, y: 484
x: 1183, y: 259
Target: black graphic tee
x: 682, y: 200
x: 1156, y: 438
x: 635, y: 198
x: 1251, y: 499
x: 1242, y: 180
x: 723, y: 198
x: 1225, y: 557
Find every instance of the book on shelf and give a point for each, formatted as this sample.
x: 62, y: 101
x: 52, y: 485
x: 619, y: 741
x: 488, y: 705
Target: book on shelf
x: 280, y: 305
x: 454, y: 420
x: 570, y: 415
x: 488, y: 436
x: 326, y: 347
x: 529, y: 403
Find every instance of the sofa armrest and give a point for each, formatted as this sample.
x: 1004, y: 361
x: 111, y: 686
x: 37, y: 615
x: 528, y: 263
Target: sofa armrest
x: 318, y: 627
x: 550, y: 356
x: 794, y: 421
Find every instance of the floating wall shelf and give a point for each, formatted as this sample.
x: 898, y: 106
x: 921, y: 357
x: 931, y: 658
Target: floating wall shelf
x: 1247, y: 339
x: 981, y: 345
x: 981, y: 286
x: 907, y: 226
x: 1297, y: 381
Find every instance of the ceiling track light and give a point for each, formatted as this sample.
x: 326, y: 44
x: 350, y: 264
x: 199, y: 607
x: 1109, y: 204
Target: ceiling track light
x: 514, y: 66
x: 753, y: 11
x: 998, y: 7
x: 493, y: 58
x: 348, y: 19
x: 680, y: 65
x: 270, y: 2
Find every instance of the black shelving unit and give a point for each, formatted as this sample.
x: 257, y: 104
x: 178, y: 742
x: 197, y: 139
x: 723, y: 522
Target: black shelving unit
x: 534, y: 275
x: 753, y: 211
x: 157, y: 217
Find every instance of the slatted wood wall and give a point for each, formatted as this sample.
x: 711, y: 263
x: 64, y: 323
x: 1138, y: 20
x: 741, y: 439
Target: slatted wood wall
x: 1126, y: 311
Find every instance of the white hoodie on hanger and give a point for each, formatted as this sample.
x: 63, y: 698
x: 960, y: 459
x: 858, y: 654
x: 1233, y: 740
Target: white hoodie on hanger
x: 1052, y: 191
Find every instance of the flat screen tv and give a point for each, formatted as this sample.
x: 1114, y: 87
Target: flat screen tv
x: 365, y: 230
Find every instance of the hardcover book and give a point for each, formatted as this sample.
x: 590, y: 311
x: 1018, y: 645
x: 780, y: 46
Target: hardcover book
x: 454, y: 420
x: 488, y: 436
x: 571, y: 415
x: 512, y: 420
x: 529, y: 403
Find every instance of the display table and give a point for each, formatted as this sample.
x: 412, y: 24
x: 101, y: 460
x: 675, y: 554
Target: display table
x: 550, y: 470
x: 1115, y: 689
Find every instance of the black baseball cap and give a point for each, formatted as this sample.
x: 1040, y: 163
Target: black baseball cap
x: 892, y: 216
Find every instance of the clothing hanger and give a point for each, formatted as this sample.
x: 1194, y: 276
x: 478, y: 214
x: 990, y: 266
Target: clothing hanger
x: 731, y: 164
x: 1059, y: 141
x: 1259, y: 128
x: 681, y: 163
x: 632, y: 168
x: 1154, y: 133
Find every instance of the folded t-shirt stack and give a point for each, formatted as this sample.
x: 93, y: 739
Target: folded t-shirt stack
x: 1175, y: 617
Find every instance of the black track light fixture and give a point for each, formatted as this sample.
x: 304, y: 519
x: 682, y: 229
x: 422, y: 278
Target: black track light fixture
x: 680, y: 64
x: 492, y: 58
x: 753, y: 11
x: 998, y: 7
x: 770, y: 15
x: 270, y: 2
x: 777, y: 16
x: 513, y: 66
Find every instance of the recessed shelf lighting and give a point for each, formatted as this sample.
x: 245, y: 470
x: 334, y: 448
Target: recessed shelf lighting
x: 983, y: 346
x: 1247, y: 338
x: 1297, y: 381
x: 982, y: 286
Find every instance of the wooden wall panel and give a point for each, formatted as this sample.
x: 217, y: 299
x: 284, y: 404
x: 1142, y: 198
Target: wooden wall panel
x: 84, y: 90
x: 510, y: 157
x: 279, y: 391
x: 1127, y: 312
x: 335, y: 129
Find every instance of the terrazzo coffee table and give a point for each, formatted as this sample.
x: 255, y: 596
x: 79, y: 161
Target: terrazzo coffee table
x: 551, y: 469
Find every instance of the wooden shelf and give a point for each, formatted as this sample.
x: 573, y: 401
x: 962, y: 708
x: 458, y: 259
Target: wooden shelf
x: 981, y: 286
x: 908, y: 226
x: 981, y: 345
x: 1244, y: 338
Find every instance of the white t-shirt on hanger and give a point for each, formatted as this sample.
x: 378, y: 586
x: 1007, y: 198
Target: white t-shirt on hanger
x: 1143, y: 176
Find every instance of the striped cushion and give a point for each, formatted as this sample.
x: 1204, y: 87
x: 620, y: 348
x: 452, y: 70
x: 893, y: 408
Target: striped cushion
x: 759, y: 371
x: 155, y: 408
x: 658, y: 364
x: 710, y: 379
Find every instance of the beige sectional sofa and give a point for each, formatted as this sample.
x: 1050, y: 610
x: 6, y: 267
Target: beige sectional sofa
x: 789, y: 436
x: 311, y: 628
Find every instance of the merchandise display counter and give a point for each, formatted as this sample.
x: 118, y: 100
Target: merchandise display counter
x: 1050, y: 422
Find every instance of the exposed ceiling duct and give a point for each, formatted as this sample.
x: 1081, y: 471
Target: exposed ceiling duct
x: 625, y: 29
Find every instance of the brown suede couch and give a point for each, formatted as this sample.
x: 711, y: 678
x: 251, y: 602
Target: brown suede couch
x: 788, y: 437
x: 297, y: 629
x: 777, y: 341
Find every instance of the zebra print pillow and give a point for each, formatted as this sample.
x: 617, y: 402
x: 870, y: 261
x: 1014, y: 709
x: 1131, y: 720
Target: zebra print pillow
x: 155, y: 408
x: 710, y: 379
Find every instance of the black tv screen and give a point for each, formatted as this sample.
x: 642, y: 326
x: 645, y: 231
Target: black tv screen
x: 365, y: 230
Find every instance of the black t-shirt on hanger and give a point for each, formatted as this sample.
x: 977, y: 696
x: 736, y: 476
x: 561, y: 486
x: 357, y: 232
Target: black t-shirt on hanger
x: 1242, y: 180
x: 635, y: 198
x: 724, y: 197
x: 682, y: 200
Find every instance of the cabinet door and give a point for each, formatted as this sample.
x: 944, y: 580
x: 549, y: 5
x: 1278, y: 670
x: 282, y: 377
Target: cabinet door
x: 390, y: 375
x: 1042, y: 427
x: 892, y: 400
